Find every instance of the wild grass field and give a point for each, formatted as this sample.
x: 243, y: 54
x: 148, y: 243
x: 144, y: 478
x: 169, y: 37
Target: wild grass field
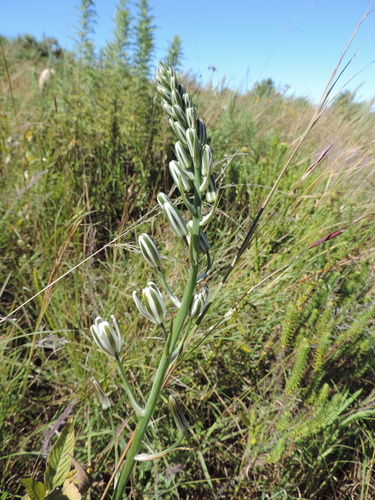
x: 277, y: 379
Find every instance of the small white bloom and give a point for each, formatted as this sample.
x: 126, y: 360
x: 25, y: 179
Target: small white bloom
x: 107, y: 338
x: 199, y: 302
x: 173, y: 215
x: 179, y: 176
x: 149, y: 250
x: 154, y: 309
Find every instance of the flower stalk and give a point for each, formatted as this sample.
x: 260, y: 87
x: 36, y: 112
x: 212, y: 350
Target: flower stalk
x: 192, y: 174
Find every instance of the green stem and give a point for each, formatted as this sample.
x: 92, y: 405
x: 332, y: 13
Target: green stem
x: 141, y: 427
x: 115, y: 444
x: 171, y: 342
x: 138, y: 410
x: 167, y: 288
x: 157, y: 384
x: 160, y: 373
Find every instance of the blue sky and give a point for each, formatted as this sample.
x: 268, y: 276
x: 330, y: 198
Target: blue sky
x: 294, y: 42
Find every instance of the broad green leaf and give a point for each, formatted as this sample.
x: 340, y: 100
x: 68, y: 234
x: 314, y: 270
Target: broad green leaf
x: 35, y: 489
x: 59, y: 460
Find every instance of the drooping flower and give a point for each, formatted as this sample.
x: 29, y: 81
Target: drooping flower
x: 149, y: 250
x: 106, y: 336
x: 154, y: 309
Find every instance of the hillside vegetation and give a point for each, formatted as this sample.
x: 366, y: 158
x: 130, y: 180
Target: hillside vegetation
x: 279, y: 393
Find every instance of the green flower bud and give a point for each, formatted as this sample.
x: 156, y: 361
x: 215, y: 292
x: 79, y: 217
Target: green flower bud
x: 199, y: 303
x: 163, y: 199
x: 206, y: 160
x: 162, y: 75
x: 178, y: 415
x: 173, y: 82
x: 202, y: 131
x: 205, y: 183
x: 179, y: 131
x: 168, y: 108
x: 193, y: 145
x: 154, y: 309
x: 183, y: 159
x: 164, y: 93
x: 212, y: 192
x: 107, y: 338
x: 181, y: 91
x: 177, y: 99
x: 149, y: 250
x: 191, y: 116
x: 179, y: 176
x: 179, y: 114
x: 177, y: 223
x: 204, y: 244
x: 187, y: 100
x: 103, y: 398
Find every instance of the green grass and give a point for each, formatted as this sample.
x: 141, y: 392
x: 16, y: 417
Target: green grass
x: 279, y: 395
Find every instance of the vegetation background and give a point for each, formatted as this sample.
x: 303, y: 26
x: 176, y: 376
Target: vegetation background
x: 280, y: 397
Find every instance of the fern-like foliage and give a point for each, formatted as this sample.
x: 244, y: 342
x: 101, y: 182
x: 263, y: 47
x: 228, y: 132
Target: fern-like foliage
x: 117, y: 50
x: 144, y: 40
x: 174, y: 54
x: 299, y: 367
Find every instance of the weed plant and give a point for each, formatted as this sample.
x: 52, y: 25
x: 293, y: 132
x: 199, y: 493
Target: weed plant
x: 276, y: 379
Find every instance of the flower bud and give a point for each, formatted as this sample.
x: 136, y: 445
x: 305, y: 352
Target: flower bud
x: 183, y: 159
x: 162, y: 76
x: 179, y: 176
x: 154, y: 309
x: 179, y: 131
x: 164, y: 93
x: 204, y: 244
x: 179, y: 114
x: 177, y: 99
x: 205, y: 183
x: 199, y: 303
x: 212, y: 192
x: 107, y: 338
x: 167, y: 108
x: 103, y: 398
x: 163, y: 199
x: 173, y: 82
x: 181, y: 90
x: 178, y: 415
x: 206, y: 160
x: 192, y: 142
x: 149, y: 250
x: 201, y: 131
x: 177, y: 223
x: 191, y: 116
x: 187, y: 100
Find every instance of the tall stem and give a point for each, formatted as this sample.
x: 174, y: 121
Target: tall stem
x: 178, y: 324
x: 157, y: 384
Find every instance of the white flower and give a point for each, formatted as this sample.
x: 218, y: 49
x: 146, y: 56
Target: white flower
x: 174, y: 218
x: 107, y: 338
x: 199, y: 302
x: 149, y: 250
x: 154, y: 309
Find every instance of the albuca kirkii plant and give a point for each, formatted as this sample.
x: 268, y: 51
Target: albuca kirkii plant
x: 192, y: 172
